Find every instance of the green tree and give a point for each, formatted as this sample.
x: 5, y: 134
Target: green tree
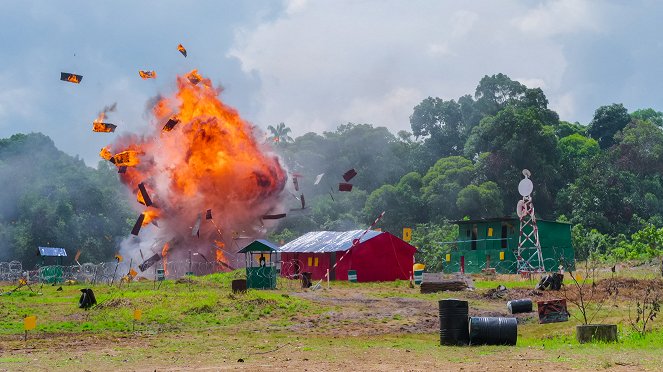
x: 441, y: 186
x: 574, y: 150
x: 433, y: 242
x: 608, y: 120
x: 650, y: 115
x: 496, y: 92
x: 279, y: 135
x: 402, y: 201
x: 442, y: 122
x: 516, y: 139
x: 640, y: 148
x: 480, y: 201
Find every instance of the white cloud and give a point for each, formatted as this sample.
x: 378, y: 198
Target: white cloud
x: 564, y: 105
x: 532, y: 82
x: 556, y: 17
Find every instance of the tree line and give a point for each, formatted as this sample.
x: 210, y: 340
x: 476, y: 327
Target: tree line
x: 463, y: 159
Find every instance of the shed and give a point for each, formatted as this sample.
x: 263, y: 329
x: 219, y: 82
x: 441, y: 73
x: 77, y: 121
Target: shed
x: 51, y: 274
x: 260, y: 270
x: 379, y: 256
x: 493, y: 243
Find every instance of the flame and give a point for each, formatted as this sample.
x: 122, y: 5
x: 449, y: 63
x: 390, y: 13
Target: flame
x: 195, y: 78
x: 147, y: 74
x: 73, y: 79
x: 105, y: 154
x: 211, y: 159
x: 151, y: 214
x: 164, y: 257
x: 127, y: 158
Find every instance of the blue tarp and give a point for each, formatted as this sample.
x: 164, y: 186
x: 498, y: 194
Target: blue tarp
x: 52, y: 252
x: 327, y: 241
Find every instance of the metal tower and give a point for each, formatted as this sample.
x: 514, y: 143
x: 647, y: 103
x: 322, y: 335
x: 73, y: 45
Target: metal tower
x: 529, y: 257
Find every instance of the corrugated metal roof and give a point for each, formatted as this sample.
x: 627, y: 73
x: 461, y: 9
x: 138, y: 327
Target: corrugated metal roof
x: 260, y: 245
x: 327, y: 241
x: 52, y: 252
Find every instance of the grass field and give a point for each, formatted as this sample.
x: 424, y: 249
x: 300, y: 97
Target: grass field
x: 201, y: 325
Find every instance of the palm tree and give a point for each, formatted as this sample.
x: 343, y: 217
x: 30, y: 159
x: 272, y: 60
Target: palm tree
x: 280, y: 134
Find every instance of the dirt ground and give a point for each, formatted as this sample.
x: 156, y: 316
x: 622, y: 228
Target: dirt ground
x: 363, y: 329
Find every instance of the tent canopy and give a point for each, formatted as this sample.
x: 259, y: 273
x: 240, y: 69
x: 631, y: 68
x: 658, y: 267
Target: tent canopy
x: 260, y: 245
x: 327, y: 241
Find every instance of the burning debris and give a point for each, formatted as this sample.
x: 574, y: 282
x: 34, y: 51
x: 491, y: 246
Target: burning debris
x: 72, y: 78
x: 205, y: 157
x: 182, y: 50
x: 99, y: 126
x: 147, y: 74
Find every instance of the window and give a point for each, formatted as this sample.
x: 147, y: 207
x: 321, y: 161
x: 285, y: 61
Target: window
x: 504, y: 233
x: 316, y: 262
x: 490, y: 231
x: 310, y: 261
x: 474, y: 237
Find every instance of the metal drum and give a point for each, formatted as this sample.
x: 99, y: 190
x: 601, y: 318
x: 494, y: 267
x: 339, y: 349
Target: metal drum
x: 493, y: 331
x: 453, y: 322
x: 519, y: 306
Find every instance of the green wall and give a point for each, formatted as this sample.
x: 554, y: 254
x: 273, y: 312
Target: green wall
x: 555, y: 239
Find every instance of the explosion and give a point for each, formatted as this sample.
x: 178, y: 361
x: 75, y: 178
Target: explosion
x: 198, y: 155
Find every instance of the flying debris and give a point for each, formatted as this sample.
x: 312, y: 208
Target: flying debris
x: 128, y: 158
x: 149, y: 262
x: 347, y: 176
x: 301, y: 198
x: 118, y: 257
x: 273, y: 216
x: 208, y: 214
x: 182, y: 50
x: 78, y: 255
x: 122, y: 169
x: 105, y: 154
x: 196, y: 227
x: 344, y: 186
x: 143, y: 197
x: 72, y: 78
x: 318, y: 178
x: 295, y: 182
x: 172, y: 122
x: 103, y: 127
x: 194, y: 77
x: 138, y: 224
x: 147, y: 74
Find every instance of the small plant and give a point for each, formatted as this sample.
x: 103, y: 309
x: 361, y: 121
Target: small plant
x: 646, y: 310
x: 583, y: 292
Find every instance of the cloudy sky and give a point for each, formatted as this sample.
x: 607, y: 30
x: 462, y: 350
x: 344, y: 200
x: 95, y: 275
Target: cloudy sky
x: 316, y: 64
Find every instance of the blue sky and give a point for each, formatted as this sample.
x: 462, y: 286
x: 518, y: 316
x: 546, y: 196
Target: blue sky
x: 316, y: 64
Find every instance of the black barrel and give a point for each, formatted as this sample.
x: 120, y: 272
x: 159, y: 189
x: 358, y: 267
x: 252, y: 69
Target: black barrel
x: 453, y: 322
x: 519, y: 306
x: 493, y: 331
x: 239, y: 285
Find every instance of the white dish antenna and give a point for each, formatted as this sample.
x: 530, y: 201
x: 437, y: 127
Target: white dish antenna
x: 525, y: 187
x: 526, y: 173
x: 520, y: 209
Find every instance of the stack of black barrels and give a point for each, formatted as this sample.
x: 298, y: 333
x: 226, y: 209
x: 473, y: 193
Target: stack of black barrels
x: 458, y: 328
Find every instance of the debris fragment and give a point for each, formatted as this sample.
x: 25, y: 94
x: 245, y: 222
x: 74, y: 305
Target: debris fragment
x: 196, y: 227
x: 143, y: 197
x: 182, y: 50
x: 194, y: 77
x: 344, y: 186
x: 72, y: 78
x: 138, y: 224
x: 147, y: 74
x: 347, y: 176
x: 172, y: 122
x: 318, y: 178
x: 208, y: 214
x: 273, y: 216
x: 149, y: 262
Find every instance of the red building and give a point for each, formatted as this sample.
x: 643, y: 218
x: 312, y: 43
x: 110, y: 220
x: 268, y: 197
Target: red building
x: 379, y: 256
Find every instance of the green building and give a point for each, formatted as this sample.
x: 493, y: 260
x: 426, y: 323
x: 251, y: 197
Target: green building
x: 493, y: 243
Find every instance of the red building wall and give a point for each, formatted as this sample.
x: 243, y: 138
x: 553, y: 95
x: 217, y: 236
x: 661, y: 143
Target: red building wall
x: 382, y: 258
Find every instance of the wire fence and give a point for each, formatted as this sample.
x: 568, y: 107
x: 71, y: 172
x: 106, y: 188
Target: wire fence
x: 288, y: 275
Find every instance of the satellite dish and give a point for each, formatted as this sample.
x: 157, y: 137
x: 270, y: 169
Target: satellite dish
x: 520, y: 208
x: 526, y: 173
x: 525, y: 187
